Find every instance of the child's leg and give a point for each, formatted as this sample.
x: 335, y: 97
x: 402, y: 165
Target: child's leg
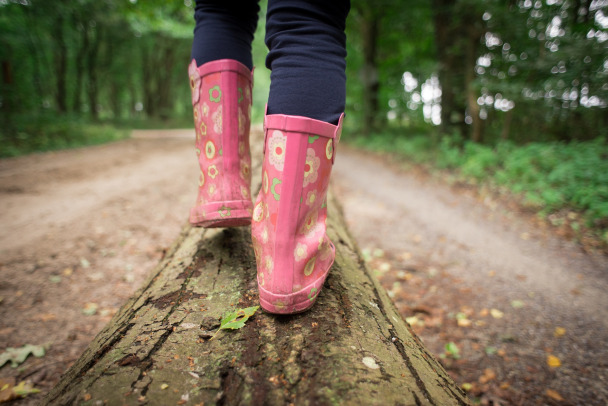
x: 307, y: 49
x: 224, y: 30
x: 307, y: 96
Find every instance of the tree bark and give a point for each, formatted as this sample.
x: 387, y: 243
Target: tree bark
x: 81, y: 56
x: 148, y: 84
x: 93, y: 69
x: 457, y: 32
x: 351, y: 348
x: 369, y: 71
x: 61, y: 65
x: 472, y: 105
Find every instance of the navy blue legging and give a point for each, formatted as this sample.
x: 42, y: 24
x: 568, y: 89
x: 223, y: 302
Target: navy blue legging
x: 306, y: 43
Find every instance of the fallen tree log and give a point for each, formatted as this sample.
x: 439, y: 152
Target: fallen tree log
x: 351, y: 348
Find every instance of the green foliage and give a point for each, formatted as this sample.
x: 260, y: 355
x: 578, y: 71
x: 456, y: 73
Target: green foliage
x: 549, y: 176
x: 452, y: 350
x: 17, y: 356
x: 521, y: 70
x: 97, y: 60
x: 46, y: 133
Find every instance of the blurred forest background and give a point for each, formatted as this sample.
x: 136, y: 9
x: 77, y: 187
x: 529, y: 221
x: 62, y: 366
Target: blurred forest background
x: 507, y: 93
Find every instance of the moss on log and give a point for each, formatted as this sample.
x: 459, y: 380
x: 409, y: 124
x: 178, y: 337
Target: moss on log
x: 352, y: 348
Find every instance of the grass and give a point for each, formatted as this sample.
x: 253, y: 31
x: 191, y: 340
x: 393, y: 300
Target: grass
x: 39, y: 134
x: 562, y: 182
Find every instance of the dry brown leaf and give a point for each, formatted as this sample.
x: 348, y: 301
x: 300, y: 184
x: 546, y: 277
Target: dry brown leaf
x: 44, y: 317
x: 488, y: 375
x: 464, y: 323
x: 554, y: 395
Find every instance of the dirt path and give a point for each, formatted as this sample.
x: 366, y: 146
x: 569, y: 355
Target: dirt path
x: 81, y: 229
x: 468, y: 271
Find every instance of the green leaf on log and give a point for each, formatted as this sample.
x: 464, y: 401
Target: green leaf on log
x: 236, y: 319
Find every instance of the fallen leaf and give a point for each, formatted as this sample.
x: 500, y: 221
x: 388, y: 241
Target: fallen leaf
x: 25, y: 388
x: 466, y: 386
x: 236, y: 319
x: 452, y: 350
x: 85, y: 263
x: 164, y: 386
x: 44, y: 317
x: 553, y: 361
x: 497, y: 314
x: 505, y: 385
x: 464, y: 322
x: 554, y: 395
x: 90, y: 309
x: 384, y: 267
x: 87, y: 397
x: 67, y: 271
x: 517, y: 304
x: 559, y: 332
x: 366, y: 254
x: 406, y: 256
x: 55, y: 278
x: 488, y: 375
x: 490, y: 350
x: 17, y: 356
x: 378, y: 253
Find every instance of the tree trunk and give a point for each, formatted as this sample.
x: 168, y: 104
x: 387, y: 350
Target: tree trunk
x: 166, y: 64
x: 80, y: 64
x: 369, y: 71
x: 93, y: 70
x: 457, y: 32
x: 506, y: 128
x: 472, y: 105
x: 351, y: 348
x: 61, y: 66
x: 149, y: 90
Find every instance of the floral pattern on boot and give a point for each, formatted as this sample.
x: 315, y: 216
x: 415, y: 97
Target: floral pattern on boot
x: 221, y: 99
x: 293, y: 252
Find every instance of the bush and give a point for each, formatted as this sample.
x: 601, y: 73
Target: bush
x: 549, y: 176
x: 39, y: 134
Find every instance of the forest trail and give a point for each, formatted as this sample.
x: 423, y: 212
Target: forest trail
x: 82, y: 228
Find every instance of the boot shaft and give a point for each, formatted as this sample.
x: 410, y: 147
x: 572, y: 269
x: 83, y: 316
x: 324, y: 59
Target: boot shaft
x: 221, y: 99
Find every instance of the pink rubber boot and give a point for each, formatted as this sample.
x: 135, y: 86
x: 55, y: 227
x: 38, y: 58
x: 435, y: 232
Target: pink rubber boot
x: 221, y: 96
x: 293, y: 251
